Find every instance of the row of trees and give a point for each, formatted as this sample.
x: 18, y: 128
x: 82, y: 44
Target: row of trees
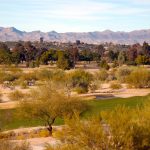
x: 66, y: 59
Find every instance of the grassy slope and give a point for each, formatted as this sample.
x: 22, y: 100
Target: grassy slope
x: 95, y: 107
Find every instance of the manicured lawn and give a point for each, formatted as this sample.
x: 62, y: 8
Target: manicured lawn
x: 103, y: 105
x: 95, y: 106
x: 11, y: 122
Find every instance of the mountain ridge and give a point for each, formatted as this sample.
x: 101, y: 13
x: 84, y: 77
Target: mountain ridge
x: 122, y: 37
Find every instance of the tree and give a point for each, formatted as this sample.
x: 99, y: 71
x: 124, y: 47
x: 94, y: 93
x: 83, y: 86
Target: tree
x: 86, y: 55
x: 4, y: 47
x: 132, y: 54
x: 100, y: 50
x: 30, y: 53
x: 142, y: 60
x: 5, y: 57
x: 146, y: 49
x: 111, y: 55
x: 121, y: 58
x: 47, y: 56
x: 18, y: 53
x: 63, y: 61
x: 47, y: 104
x: 73, y: 54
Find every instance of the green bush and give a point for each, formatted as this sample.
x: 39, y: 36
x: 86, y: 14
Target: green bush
x: 139, y: 78
x: 81, y: 79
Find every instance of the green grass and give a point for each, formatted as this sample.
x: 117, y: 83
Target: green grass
x: 103, y: 105
x: 9, y: 122
x: 95, y: 106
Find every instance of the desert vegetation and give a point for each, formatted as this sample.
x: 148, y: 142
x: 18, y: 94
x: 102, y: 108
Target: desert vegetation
x: 121, y: 128
x: 85, y: 99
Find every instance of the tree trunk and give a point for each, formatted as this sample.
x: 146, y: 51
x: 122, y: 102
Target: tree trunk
x: 50, y: 129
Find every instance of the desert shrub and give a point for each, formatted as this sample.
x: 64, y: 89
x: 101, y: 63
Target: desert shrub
x: 51, y: 75
x: 81, y: 90
x: 16, y: 95
x: 115, y: 85
x: 29, y: 76
x: 94, y: 85
x: 103, y: 64
x: 141, y: 130
x: 139, y: 78
x: 112, y: 74
x: 122, y: 73
x: 45, y: 74
x: 58, y: 75
x: 23, y: 84
x: 115, y: 64
x: 81, y: 80
x: 102, y: 75
x: 4, y: 76
x: 9, y: 77
x: 121, y: 128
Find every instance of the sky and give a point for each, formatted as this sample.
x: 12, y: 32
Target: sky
x: 75, y: 15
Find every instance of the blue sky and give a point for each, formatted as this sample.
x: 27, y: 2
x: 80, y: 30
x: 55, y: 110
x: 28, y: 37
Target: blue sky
x: 75, y: 15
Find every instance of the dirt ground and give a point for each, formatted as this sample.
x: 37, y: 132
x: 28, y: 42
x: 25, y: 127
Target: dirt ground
x: 103, y: 93
x: 106, y: 93
x: 38, y: 143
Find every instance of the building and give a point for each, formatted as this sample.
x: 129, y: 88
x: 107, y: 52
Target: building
x: 41, y: 39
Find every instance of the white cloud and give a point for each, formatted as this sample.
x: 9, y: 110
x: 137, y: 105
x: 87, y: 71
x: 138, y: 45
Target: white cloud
x: 85, y: 10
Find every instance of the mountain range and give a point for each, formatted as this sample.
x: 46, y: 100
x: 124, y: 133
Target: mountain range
x: 137, y: 36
